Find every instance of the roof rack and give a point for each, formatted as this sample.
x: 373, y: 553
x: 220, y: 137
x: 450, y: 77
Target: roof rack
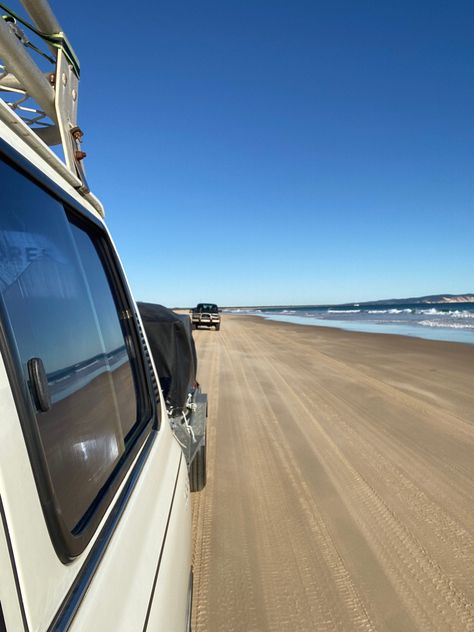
x: 41, y: 105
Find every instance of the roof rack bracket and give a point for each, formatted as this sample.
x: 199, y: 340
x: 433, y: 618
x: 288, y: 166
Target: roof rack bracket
x: 52, y: 116
x: 66, y: 94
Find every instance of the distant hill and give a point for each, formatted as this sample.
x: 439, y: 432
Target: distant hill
x: 413, y: 300
x: 434, y: 298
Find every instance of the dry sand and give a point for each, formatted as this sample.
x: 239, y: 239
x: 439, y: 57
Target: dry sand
x: 340, y: 488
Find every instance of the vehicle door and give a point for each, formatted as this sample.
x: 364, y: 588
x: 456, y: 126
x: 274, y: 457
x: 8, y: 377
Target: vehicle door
x: 90, y: 478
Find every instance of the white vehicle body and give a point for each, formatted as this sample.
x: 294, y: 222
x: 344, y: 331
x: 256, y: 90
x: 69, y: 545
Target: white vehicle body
x: 128, y: 566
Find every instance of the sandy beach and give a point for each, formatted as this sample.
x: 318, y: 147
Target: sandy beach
x: 340, y: 490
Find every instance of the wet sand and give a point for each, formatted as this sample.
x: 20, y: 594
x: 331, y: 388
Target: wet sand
x: 340, y: 490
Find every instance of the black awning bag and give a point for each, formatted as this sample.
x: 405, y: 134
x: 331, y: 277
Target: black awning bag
x: 173, y: 349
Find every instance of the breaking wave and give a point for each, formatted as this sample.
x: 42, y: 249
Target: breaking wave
x: 344, y: 311
x: 445, y: 324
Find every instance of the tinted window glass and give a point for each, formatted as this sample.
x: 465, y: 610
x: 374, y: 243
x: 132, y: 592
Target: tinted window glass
x: 207, y: 307
x: 108, y: 325
x: 60, y: 306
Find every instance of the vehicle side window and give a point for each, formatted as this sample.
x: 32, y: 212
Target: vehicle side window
x: 61, y: 308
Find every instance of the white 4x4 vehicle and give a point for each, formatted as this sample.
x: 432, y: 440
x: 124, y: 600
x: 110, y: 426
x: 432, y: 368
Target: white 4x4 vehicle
x: 95, y: 516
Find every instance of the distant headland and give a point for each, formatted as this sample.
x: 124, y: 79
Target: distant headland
x: 415, y: 300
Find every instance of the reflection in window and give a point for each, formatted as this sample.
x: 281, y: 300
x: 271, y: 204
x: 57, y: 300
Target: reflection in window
x: 60, y: 308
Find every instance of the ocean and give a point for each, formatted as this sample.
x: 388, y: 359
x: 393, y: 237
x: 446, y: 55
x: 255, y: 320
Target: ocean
x: 436, y: 321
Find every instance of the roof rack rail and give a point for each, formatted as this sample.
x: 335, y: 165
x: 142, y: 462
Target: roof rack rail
x: 41, y: 105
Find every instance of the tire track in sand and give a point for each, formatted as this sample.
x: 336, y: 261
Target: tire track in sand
x: 294, y: 532
x: 202, y: 502
x: 410, y: 478
x: 227, y: 550
x: 328, y: 596
x: 429, y: 595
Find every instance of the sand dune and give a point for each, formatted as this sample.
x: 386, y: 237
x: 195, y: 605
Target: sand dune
x: 340, y: 491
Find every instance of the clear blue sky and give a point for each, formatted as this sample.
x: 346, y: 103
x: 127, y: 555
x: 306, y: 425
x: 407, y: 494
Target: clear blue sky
x: 273, y: 152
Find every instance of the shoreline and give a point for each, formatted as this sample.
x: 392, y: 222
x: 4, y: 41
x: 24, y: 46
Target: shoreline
x: 390, y: 339
x: 457, y: 336
x: 436, y: 369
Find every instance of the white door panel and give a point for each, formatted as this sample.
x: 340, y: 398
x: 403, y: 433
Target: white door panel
x: 119, y: 594
x: 169, y: 608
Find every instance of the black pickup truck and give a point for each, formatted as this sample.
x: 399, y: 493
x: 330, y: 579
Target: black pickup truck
x: 206, y: 315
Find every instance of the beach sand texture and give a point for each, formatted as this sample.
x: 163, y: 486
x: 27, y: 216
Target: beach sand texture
x: 340, y: 490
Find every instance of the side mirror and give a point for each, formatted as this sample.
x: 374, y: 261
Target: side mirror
x: 39, y: 384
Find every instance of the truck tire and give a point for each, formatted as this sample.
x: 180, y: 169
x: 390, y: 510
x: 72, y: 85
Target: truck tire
x: 198, y: 470
x: 218, y: 327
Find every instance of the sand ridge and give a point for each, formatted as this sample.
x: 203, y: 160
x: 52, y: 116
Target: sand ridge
x: 339, y: 493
